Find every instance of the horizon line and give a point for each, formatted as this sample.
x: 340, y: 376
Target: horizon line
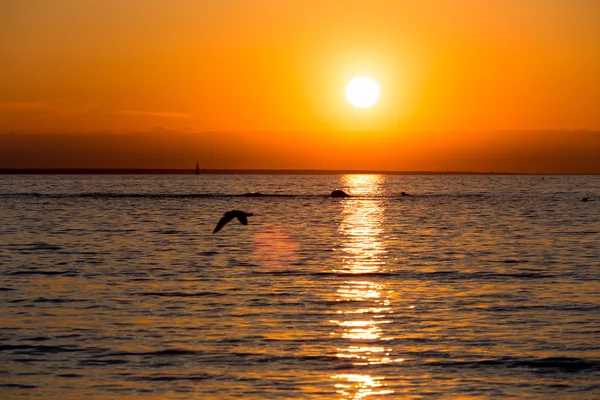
x: 253, y: 171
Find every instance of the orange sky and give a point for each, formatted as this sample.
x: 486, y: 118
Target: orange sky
x: 478, y: 76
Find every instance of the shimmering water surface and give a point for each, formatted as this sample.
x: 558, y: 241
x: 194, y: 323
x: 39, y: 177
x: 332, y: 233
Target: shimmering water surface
x: 471, y: 287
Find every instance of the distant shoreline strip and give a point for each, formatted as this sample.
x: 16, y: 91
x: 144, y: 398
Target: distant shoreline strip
x: 132, y: 171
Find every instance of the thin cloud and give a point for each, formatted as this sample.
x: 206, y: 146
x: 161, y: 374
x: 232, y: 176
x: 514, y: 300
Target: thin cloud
x: 158, y: 114
x: 44, y: 108
x: 22, y: 105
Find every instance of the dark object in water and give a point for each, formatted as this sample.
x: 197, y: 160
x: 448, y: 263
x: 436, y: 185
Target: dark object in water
x: 404, y: 194
x: 586, y: 198
x: 339, y: 193
x: 229, y: 215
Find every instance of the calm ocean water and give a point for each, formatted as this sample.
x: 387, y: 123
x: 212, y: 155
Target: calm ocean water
x: 471, y: 287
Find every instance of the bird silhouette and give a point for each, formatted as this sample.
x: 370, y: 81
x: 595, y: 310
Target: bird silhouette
x: 229, y: 215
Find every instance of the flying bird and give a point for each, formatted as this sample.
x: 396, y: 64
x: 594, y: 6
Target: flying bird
x: 229, y: 215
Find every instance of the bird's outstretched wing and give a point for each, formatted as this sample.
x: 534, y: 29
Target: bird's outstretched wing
x: 229, y: 215
x: 242, y: 218
x: 226, y: 218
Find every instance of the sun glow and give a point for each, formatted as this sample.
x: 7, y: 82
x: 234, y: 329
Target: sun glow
x: 362, y: 92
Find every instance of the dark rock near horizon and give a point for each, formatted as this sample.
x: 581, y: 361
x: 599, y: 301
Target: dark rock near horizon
x: 339, y: 193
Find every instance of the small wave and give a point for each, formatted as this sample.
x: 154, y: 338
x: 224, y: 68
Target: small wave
x: 34, y: 247
x: 179, y: 294
x: 159, y: 353
x: 549, y: 364
x: 296, y: 272
x: 101, y: 363
x: 37, y: 349
x: 450, y: 275
x: 493, y: 276
x: 208, y: 253
x: 44, y: 272
x: 345, y: 274
x: 70, y: 375
x: 231, y: 357
x: 550, y: 307
x: 37, y: 339
x: 45, y: 300
x: 172, y: 378
x: 167, y: 231
x: 267, y: 358
x: 17, y: 386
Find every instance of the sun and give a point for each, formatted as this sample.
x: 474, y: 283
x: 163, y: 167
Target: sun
x: 362, y: 92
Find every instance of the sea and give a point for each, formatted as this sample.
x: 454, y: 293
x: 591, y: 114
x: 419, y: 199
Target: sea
x: 466, y: 286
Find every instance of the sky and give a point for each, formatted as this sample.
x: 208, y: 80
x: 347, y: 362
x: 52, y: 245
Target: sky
x: 471, y: 85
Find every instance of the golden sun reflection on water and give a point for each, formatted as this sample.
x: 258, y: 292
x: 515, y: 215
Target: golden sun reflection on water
x: 360, y: 386
x: 363, y: 326
x: 275, y: 247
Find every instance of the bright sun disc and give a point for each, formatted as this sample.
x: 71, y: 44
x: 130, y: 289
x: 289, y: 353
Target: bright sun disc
x: 362, y: 92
